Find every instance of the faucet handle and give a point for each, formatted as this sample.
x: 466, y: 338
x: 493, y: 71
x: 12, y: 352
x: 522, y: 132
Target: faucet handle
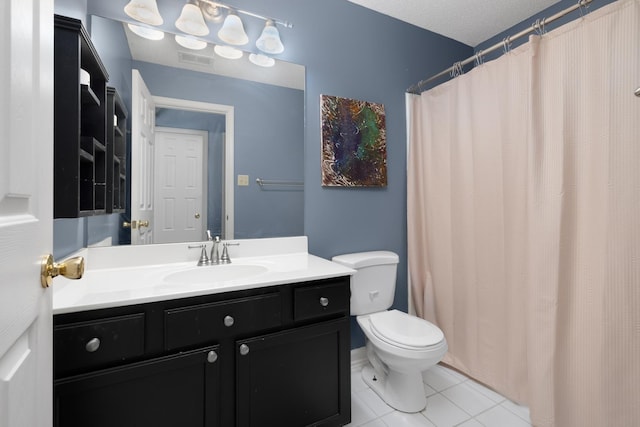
x: 209, y: 238
x: 204, y: 259
x: 225, y: 259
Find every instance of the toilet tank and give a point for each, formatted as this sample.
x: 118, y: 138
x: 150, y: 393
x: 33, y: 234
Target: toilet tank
x: 374, y: 283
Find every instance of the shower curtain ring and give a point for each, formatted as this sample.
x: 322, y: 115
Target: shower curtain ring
x: 506, y: 44
x: 456, y: 69
x: 538, y: 28
x: 479, y: 60
x: 583, y: 4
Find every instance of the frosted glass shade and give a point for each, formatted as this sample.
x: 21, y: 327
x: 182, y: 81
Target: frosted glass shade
x: 144, y: 11
x: 228, y: 52
x: 147, y: 33
x: 190, y: 43
x: 191, y: 21
x: 262, y: 60
x: 269, y: 41
x: 232, y: 31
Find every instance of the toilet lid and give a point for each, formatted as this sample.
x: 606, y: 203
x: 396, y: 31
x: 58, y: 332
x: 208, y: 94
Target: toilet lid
x: 400, y: 329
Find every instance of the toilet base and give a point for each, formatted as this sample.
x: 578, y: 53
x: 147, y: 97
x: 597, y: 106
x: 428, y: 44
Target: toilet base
x: 404, y: 392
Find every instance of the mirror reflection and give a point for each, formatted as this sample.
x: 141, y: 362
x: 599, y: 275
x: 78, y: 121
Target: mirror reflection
x: 265, y: 141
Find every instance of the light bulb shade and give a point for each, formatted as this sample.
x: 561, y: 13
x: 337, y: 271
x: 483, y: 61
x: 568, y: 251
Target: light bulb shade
x: 144, y: 11
x: 191, y: 21
x: 228, y: 52
x: 145, y: 32
x: 232, y: 31
x: 262, y: 60
x: 190, y: 42
x: 269, y: 41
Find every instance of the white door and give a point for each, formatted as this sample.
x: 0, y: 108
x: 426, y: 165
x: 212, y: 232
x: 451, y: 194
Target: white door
x: 26, y: 208
x: 142, y: 157
x: 180, y: 180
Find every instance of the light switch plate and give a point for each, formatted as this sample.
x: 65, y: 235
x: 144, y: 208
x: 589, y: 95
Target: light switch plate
x: 243, y: 180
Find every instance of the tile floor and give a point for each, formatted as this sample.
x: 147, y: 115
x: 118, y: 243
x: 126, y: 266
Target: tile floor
x: 452, y: 400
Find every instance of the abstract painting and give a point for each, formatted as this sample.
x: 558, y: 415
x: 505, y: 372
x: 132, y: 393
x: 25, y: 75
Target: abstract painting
x: 354, y: 147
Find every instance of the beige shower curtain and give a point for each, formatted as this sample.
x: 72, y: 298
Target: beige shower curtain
x: 524, y: 220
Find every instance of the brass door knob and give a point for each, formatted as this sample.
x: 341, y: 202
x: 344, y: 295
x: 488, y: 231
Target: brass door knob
x: 73, y: 268
x: 143, y: 223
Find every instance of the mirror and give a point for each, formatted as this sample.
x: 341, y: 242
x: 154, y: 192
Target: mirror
x: 268, y: 134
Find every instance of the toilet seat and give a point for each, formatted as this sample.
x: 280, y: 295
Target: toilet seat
x: 405, y: 331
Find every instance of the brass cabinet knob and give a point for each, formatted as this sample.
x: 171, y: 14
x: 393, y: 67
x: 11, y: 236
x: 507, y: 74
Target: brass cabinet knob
x: 73, y: 268
x: 197, y: 215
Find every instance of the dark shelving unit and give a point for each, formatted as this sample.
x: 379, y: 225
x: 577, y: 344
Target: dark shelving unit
x: 80, y: 131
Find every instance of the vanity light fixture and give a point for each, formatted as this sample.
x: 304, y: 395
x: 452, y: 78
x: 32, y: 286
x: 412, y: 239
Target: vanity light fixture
x: 190, y: 42
x: 195, y: 13
x: 146, y: 32
x: 228, y: 52
x: 191, y: 20
x: 232, y: 30
x: 269, y: 41
x: 262, y: 60
x: 145, y: 11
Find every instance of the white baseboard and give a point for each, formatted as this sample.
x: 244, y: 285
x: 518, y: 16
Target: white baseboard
x: 358, y: 358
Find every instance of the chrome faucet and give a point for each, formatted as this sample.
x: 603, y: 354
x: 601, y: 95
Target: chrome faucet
x: 215, y: 255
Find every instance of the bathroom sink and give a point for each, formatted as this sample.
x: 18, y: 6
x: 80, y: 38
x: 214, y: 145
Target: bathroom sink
x: 214, y: 273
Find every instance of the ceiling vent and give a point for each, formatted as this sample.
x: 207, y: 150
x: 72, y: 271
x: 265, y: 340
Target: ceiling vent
x: 194, y: 59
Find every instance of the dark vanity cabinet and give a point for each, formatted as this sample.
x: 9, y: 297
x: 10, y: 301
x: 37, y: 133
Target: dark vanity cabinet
x: 275, y: 356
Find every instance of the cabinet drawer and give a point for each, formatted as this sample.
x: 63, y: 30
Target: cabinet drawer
x: 98, y: 343
x: 206, y: 323
x: 316, y: 301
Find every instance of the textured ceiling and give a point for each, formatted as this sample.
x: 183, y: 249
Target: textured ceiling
x: 468, y: 21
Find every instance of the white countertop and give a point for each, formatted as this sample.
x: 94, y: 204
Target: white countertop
x: 127, y: 275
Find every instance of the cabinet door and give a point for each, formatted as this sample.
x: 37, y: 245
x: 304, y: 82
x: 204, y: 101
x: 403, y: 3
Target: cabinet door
x: 295, y: 378
x: 179, y: 390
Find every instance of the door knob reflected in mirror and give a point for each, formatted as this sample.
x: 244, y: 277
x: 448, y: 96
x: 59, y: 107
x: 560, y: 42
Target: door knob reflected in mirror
x: 73, y: 268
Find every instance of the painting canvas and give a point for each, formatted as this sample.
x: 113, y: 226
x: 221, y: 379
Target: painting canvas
x: 354, y: 148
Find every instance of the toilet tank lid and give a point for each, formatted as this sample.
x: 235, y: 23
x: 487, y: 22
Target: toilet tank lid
x: 366, y: 259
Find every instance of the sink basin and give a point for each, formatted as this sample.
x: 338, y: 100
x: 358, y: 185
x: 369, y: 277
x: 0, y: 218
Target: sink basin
x: 214, y: 273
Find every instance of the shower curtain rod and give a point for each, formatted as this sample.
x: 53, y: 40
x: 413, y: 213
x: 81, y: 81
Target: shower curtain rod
x: 537, y: 26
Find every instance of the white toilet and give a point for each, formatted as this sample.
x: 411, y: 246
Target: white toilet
x: 399, y: 346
